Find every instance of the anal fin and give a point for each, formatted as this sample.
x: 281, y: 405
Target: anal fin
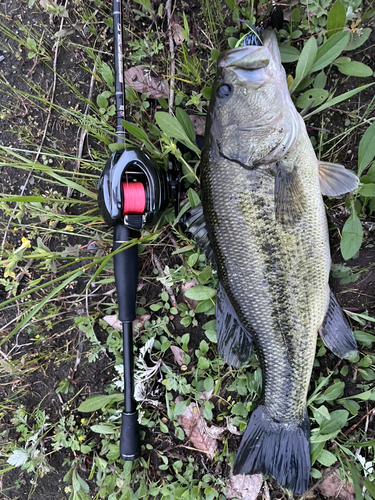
x: 336, y: 332
x: 233, y: 340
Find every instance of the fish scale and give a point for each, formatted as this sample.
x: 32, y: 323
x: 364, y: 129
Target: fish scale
x: 269, y: 277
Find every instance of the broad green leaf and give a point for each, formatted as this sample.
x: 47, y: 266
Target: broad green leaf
x: 94, y: 403
x: 338, y: 420
x: 358, y: 40
x: 313, y: 97
x: 288, y: 53
x: 193, y: 198
x: 186, y: 123
x: 365, y: 338
x: 180, y: 408
x: 102, y: 101
x: 134, y: 130
x: 320, y: 80
x: 367, y: 190
x: 205, y: 275
x: 336, y: 18
x: 354, y: 68
x: 330, y: 50
x: 103, y: 428
x: 352, y: 235
x: 366, y: 150
x: 337, y: 100
x: 200, y: 292
x: 326, y: 458
x: 173, y: 129
x: 305, y: 62
x: 18, y: 458
x: 352, y: 406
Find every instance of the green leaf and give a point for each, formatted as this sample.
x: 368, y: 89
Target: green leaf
x: 336, y: 18
x: 358, y: 40
x: 338, y: 420
x: 330, y: 50
x: 193, y: 198
x: 364, y: 338
x: 173, y: 129
x: 200, y: 292
x: 288, y: 53
x: 22, y: 199
x: 205, y: 275
x: 180, y: 408
x: 320, y: 80
x: 354, y: 68
x: 18, y: 458
x: 186, y: 123
x: 102, y: 101
x: 337, y: 100
x: 305, y: 62
x: 94, y: 403
x: 326, y: 458
x: 203, y: 363
x: 352, y: 235
x: 355, y: 477
x: 103, y: 428
x: 366, y: 150
x: 313, y: 97
x: 134, y: 130
x: 367, y: 190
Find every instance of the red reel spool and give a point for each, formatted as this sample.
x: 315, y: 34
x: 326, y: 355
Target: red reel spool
x: 134, y: 198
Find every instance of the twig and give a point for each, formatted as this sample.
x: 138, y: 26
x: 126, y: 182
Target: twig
x: 355, y: 425
x: 168, y: 8
x: 323, y: 478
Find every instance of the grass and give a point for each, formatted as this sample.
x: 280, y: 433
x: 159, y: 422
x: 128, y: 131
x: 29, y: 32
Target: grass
x: 58, y: 276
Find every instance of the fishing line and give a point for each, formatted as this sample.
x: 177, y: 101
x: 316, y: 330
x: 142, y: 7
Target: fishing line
x: 134, y: 198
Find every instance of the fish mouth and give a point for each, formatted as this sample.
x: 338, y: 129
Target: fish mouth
x: 250, y: 58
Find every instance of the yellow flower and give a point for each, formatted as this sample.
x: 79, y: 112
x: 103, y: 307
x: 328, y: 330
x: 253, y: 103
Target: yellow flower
x: 69, y: 227
x: 51, y: 223
x: 83, y: 420
x: 25, y: 244
x: 80, y: 438
x: 9, y: 272
x: 37, y: 336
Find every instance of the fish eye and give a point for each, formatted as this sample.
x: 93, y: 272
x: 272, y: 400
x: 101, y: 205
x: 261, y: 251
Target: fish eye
x: 224, y: 91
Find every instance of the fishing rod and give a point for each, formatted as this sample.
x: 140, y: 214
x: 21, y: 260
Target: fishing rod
x: 132, y: 191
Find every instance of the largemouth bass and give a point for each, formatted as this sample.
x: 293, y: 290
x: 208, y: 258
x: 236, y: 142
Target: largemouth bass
x: 262, y: 201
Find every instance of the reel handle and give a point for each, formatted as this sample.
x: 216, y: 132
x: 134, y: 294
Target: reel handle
x: 125, y: 265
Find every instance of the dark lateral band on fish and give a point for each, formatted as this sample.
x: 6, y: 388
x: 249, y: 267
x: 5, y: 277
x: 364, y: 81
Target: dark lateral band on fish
x: 263, y: 222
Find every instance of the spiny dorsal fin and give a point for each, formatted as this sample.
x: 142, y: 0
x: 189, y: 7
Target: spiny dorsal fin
x: 335, y: 179
x: 289, y: 196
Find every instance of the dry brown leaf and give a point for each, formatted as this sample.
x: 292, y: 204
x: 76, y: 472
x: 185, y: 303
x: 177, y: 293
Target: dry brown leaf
x: 117, y: 325
x: 140, y: 79
x: 195, y: 428
x: 244, y: 487
x: 334, y: 487
x: 177, y: 354
x: 178, y: 37
x: 199, y: 123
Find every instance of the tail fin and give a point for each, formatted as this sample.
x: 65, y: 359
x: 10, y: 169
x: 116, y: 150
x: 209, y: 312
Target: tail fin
x: 277, y: 448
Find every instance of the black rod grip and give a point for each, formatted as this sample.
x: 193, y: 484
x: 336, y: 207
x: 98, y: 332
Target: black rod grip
x: 130, y: 441
x: 125, y: 266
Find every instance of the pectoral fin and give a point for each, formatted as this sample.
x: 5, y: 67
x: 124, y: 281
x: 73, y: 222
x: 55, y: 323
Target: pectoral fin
x: 233, y: 341
x: 290, y: 199
x: 336, y: 332
x: 335, y: 179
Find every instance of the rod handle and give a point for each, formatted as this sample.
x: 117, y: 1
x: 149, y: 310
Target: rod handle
x: 130, y: 441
